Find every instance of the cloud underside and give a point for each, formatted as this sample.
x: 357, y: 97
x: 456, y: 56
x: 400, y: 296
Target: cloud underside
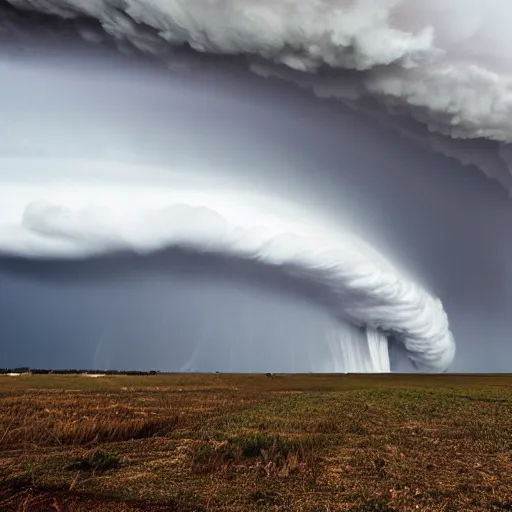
x: 435, y: 70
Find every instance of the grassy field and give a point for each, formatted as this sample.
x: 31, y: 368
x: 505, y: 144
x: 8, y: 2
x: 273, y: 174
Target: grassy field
x: 256, y: 443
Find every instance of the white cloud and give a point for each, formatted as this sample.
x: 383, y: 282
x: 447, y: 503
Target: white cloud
x: 357, y: 283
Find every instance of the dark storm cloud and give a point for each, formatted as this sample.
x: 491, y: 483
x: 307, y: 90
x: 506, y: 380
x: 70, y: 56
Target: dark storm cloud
x: 438, y: 62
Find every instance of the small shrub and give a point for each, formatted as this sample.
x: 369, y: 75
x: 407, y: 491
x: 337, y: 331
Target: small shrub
x: 98, y: 462
x: 274, y: 450
x: 274, y: 446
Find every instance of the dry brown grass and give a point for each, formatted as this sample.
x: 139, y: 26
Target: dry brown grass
x: 253, y: 443
x: 78, y: 419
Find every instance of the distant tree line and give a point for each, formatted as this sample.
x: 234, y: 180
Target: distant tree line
x: 42, y: 371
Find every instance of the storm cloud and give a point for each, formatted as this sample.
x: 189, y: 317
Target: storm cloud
x: 200, y: 121
x: 438, y: 69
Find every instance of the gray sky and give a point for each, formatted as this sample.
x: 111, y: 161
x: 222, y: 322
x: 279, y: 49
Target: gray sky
x: 444, y: 225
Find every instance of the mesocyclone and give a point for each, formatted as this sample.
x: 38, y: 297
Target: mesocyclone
x: 355, y: 284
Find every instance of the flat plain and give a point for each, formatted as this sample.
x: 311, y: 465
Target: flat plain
x: 242, y: 443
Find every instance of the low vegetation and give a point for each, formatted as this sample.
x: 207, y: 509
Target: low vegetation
x: 97, y: 462
x: 298, y: 443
